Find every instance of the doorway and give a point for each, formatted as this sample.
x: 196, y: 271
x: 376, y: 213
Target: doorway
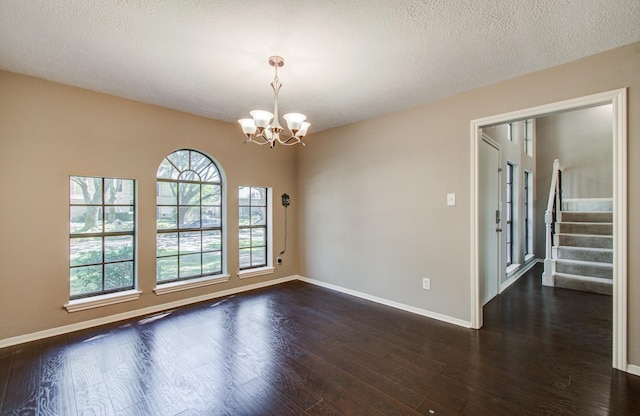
x: 617, y: 99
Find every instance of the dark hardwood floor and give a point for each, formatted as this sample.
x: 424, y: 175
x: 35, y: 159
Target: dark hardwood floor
x: 297, y: 349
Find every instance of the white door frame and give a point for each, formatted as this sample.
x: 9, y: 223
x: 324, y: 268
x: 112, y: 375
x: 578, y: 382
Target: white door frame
x: 618, y: 99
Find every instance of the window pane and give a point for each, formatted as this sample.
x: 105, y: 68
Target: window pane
x: 210, y: 174
x: 199, y: 161
x: 190, y: 217
x: 211, y: 217
x: 119, y: 219
x: 258, y: 256
x: 167, y: 218
x: 244, y: 195
x: 180, y: 159
x: 118, y: 191
x: 211, y: 263
x: 190, y: 242
x: 86, y: 280
x: 85, y: 251
x: 167, y: 268
x: 258, y: 237
x: 85, y: 190
x: 189, y: 193
x: 258, y: 216
x: 245, y: 258
x: 244, y: 237
x: 211, y: 240
x: 167, y: 171
x: 189, y: 175
x: 211, y: 195
x: 258, y: 197
x: 190, y: 265
x: 167, y: 193
x: 244, y: 214
x: 167, y: 244
x: 118, y: 275
x: 118, y: 248
x: 83, y: 219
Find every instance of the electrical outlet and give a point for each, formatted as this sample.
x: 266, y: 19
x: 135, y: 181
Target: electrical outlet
x: 426, y: 283
x: 279, y: 260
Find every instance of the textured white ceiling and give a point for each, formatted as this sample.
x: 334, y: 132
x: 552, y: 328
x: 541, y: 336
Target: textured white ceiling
x: 346, y: 60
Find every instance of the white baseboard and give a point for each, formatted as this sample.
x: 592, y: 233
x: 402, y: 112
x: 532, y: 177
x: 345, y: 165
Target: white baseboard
x: 7, y: 342
x: 633, y: 369
x: 504, y: 286
x: 393, y: 304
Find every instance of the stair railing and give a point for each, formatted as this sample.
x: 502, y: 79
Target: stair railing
x: 554, y: 206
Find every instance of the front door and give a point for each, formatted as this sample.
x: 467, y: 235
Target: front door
x: 489, y: 218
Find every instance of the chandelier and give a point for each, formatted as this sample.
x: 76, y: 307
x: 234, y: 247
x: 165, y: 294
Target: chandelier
x: 264, y: 127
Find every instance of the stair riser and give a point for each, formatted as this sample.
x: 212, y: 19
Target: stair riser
x: 584, y: 269
x: 574, y: 284
x: 583, y: 241
x: 584, y: 228
x: 604, y: 204
x: 585, y: 255
x: 568, y: 216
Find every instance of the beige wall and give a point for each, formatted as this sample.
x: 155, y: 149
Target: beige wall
x: 582, y: 140
x: 49, y: 131
x: 373, y: 213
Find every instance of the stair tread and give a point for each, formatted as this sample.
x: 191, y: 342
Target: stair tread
x: 584, y: 278
x: 588, y: 235
x: 586, y: 263
x: 596, y: 249
x: 584, y: 222
x: 588, y: 212
x: 582, y: 212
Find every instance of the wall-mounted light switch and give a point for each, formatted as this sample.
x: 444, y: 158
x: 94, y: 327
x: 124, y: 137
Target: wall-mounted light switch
x: 451, y: 199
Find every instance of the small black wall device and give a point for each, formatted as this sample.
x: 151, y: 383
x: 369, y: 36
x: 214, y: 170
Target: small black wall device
x: 285, y: 200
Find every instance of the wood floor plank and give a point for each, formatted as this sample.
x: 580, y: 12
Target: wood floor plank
x: 56, y: 395
x: 6, y: 359
x: 21, y: 395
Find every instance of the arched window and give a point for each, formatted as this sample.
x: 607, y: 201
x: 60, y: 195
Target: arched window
x: 188, y: 217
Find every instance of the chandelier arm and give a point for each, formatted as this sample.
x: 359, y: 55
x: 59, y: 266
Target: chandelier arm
x: 253, y: 139
x: 287, y: 142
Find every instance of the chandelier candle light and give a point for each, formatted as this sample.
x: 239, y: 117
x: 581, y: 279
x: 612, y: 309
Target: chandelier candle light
x: 260, y: 129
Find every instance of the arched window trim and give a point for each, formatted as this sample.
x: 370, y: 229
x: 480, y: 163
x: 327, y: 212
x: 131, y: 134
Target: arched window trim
x: 180, y: 169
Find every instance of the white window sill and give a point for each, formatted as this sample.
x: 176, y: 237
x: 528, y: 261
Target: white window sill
x: 165, y: 288
x: 258, y: 271
x: 102, y: 300
x: 528, y: 258
x: 512, y: 268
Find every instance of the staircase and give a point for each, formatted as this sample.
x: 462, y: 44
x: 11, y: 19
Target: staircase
x: 583, y: 246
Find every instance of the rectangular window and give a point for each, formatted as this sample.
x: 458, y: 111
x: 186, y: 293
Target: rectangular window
x: 528, y: 212
x: 101, y: 235
x: 510, y: 132
x: 509, y: 213
x: 253, y: 226
x: 528, y: 137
